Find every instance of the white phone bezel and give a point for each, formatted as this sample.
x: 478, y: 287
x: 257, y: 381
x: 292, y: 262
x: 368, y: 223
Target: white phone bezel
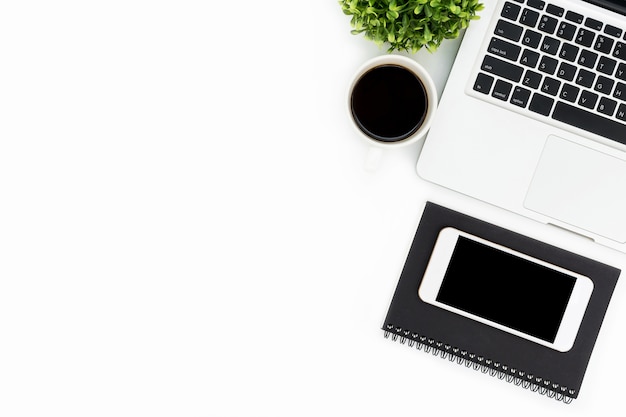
x: 438, y: 264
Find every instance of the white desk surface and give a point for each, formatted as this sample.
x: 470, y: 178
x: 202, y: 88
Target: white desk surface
x: 186, y: 227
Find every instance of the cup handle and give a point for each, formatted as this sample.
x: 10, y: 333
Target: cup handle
x: 372, y: 160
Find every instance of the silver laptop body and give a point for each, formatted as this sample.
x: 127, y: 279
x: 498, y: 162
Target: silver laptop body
x: 533, y: 116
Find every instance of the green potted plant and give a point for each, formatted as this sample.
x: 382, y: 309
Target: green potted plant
x: 409, y: 25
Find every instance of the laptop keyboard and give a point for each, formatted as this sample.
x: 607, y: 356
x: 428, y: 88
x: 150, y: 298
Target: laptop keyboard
x: 556, y: 64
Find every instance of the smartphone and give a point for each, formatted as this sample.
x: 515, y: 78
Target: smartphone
x: 506, y: 289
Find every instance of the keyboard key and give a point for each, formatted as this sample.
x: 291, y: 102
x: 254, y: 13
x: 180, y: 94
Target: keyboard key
x: 520, y: 97
x: 529, y: 58
x: 566, y: 71
x: 569, y: 92
x: 531, y: 79
x: 585, y: 37
x: 588, y: 99
x: 502, y: 69
x: 620, y: 51
x: 621, y: 112
x: 606, y: 65
x: 590, y: 122
x: 504, y: 49
x: 613, y: 31
x: 510, y: 11
x: 603, y: 44
x: 566, y: 31
x: 483, y: 83
x: 569, y: 52
x: 604, y: 85
x: 587, y: 58
x: 550, y: 86
x: 593, y: 23
x: 541, y: 104
x: 620, y: 91
x: 574, y: 17
x: 502, y: 90
x: 547, y: 24
x: 529, y: 18
x: 555, y: 10
x: 531, y: 38
x: 585, y: 78
x: 550, y: 45
x: 508, y: 30
x: 621, y: 72
x: 607, y: 106
x: 548, y: 65
x: 537, y: 4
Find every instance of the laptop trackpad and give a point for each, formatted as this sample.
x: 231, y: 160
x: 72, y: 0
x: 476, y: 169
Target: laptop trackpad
x: 581, y: 187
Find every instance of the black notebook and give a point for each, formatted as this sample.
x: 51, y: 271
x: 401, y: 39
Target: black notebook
x: 505, y: 304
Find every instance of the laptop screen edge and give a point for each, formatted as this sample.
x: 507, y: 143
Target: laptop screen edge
x: 618, y: 6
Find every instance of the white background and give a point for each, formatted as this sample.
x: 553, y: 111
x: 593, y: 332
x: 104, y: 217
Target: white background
x: 186, y: 227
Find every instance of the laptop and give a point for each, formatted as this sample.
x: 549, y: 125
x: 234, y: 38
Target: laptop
x: 533, y: 116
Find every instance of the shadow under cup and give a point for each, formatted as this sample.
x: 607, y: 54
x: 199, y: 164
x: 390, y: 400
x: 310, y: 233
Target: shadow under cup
x: 389, y: 103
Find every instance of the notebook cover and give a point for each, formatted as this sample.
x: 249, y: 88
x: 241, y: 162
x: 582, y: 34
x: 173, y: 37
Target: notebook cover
x: 460, y: 339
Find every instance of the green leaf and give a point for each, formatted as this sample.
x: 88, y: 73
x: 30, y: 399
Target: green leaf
x: 428, y: 36
x: 410, y: 24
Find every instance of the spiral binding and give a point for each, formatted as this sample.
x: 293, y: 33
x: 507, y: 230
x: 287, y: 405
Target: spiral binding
x: 477, y: 362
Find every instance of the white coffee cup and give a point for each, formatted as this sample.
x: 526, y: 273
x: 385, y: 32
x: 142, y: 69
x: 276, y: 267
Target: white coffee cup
x: 391, y: 101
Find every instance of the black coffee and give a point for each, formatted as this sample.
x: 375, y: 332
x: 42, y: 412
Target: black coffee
x: 389, y: 103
